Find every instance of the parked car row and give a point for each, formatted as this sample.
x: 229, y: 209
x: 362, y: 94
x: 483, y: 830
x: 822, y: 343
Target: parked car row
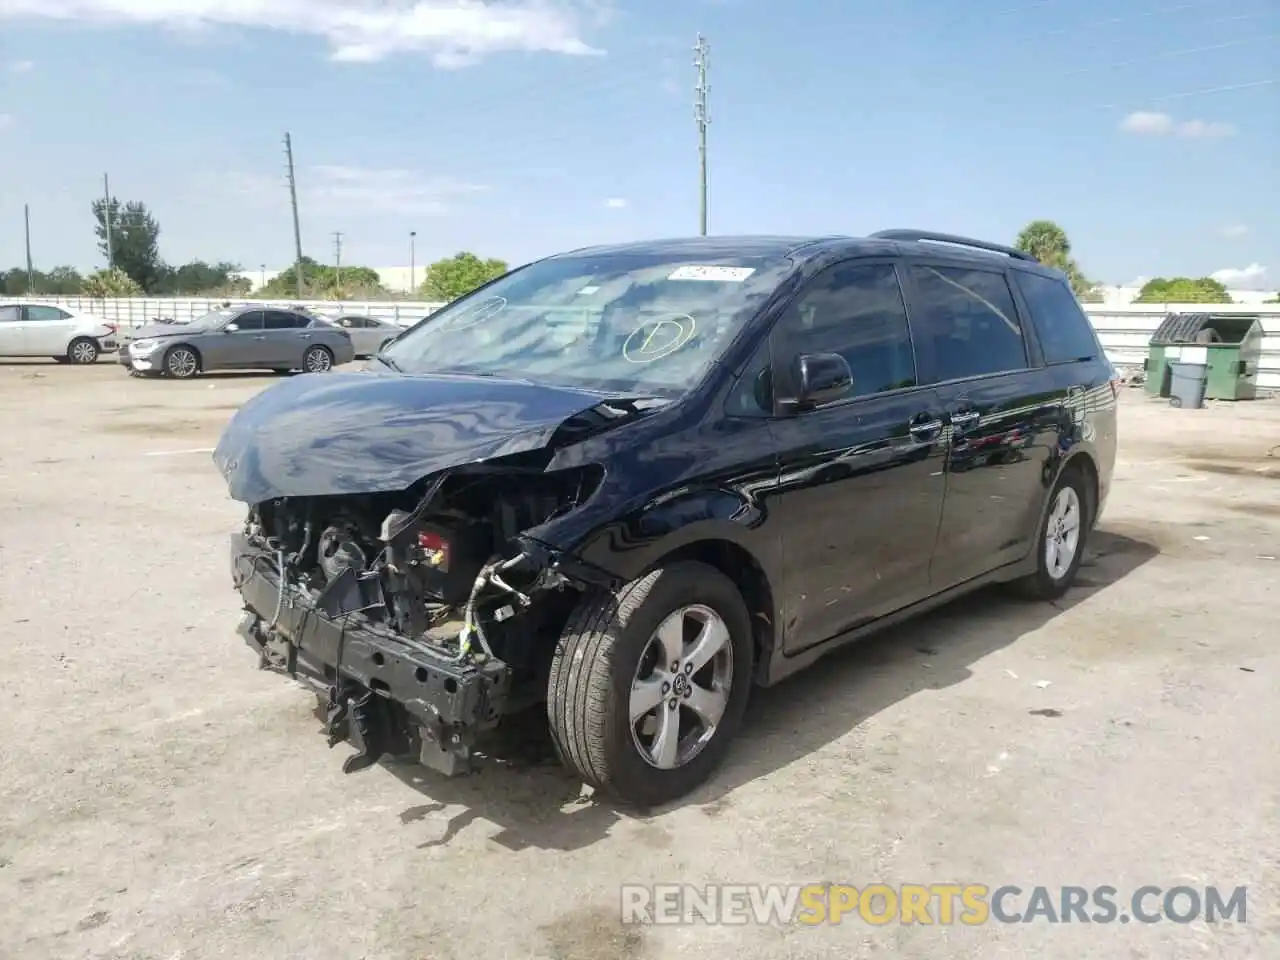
x: 230, y: 338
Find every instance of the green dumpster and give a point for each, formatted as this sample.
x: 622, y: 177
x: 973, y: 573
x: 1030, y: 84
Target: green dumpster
x: 1229, y: 344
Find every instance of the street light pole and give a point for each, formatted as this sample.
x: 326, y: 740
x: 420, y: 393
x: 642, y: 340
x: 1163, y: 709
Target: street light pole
x: 412, y: 262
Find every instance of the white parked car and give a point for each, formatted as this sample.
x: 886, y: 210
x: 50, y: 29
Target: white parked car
x: 44, y: 330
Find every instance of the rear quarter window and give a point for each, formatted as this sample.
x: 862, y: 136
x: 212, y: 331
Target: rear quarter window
x: 1064, y: 331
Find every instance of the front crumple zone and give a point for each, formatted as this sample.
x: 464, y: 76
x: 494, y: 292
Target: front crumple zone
x: 424, y: 616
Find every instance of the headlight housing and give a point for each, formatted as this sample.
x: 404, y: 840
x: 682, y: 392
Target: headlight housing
x: 143, y: 346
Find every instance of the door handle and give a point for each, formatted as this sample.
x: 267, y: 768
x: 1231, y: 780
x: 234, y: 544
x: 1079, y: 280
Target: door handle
x: 925, y: 430
x: 260, y: 338
x: 305, y: 336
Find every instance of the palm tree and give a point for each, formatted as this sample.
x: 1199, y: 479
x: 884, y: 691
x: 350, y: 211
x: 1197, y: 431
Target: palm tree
x: 1048, y: 243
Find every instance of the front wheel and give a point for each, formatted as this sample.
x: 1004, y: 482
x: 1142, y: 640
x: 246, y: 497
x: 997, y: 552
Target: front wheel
x: 649, y: 686
x: 181, y: 363
x: 1060, y: 546
x: 317, y: 360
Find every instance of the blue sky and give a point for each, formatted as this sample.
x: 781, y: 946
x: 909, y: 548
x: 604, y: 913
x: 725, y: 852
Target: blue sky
x: 1150, y: 129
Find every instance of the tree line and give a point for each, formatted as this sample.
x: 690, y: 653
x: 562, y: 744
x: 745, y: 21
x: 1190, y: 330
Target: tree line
x: 139, y: 269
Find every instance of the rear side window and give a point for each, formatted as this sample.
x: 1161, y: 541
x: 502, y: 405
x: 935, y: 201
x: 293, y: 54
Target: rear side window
x: 280, y: 320
x: 9, y: 314
x: 46, y: 314
x: 970, y: 319
x: 1065, y: 333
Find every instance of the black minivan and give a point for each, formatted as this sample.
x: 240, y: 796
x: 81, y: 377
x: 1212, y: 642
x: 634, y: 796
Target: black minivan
x: 631, y: 482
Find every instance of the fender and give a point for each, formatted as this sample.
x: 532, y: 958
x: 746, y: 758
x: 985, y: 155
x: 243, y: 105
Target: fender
x: 631, y: 544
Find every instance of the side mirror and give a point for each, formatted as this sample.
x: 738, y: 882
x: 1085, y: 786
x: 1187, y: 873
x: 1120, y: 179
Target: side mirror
x: 820, y: 378
x: 231, y: 328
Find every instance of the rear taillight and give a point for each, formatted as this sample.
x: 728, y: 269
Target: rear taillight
x: 112, y: 327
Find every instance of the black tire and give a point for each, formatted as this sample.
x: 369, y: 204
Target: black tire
x: 181, y: 362
x: 317, y: 359
x: 83, y: 351
x: 1043, y: 585
x: 1175, y: 401
x: 596, y: 660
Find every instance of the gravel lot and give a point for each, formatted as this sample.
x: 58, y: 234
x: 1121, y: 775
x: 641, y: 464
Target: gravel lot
x: 161, y: 798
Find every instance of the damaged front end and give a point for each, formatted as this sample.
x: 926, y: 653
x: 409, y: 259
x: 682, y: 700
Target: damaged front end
x: 422, y: 615
x: 424, y: 620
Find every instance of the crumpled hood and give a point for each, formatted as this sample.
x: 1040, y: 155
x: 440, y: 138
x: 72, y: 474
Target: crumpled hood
x: 162, y: 330
x: 345, y: 433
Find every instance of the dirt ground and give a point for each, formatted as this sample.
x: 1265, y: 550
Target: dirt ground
x: 161, y: 798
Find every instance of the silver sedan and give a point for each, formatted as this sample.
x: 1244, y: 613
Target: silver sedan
x: 243, y: 338
x: 368, y: 334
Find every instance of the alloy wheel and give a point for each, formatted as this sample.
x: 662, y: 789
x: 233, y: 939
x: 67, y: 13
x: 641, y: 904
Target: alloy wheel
x: 1062, y: 533
x: 317, y: 360
x: 681, y: 687
x: 181, y: 363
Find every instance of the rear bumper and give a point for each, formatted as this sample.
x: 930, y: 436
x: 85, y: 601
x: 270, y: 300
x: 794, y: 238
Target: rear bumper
x: 448, y: 702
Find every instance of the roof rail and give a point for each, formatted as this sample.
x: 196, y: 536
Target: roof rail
x: 913, y: 235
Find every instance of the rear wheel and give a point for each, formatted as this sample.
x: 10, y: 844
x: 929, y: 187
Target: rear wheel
x: 82, y: 350
x: 317, y: 359
x: 648, y: 687
x: 1060, y: 546
x: 181, y: 363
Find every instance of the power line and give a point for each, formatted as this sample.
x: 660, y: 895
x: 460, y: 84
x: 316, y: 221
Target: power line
x: 703, y: 118
x: 293, y: 200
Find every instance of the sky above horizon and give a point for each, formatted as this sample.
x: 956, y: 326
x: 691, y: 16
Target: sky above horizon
x: 1149, y: 129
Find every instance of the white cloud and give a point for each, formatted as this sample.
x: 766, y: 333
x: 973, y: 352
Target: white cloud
x: 615, y: 203
x: 1150, y: 124
x: 1252, y: 277
x: 1154, y: 124
x: 454, y: 33
x: 1204, y: 128
x: 336, y: 190
x: 21, y: 66
x: 1234, y: 231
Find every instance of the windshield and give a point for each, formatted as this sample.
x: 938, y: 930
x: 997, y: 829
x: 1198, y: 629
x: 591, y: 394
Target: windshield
x: 639, y: 324
x: 209, y: 320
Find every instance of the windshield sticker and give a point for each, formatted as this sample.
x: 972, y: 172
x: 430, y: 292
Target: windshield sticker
x: 714, y: 274
x: 658, y: 338
x: 472, y: 316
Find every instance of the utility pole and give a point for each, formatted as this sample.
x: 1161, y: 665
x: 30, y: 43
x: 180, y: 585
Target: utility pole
x: 337, y: 257
x: 293, y: 200
x: 26, y: 219
x: 106, y: 220
x: 703, y: 117
x: 413, y: 234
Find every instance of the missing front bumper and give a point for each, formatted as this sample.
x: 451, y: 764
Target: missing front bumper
x: 375, y: 682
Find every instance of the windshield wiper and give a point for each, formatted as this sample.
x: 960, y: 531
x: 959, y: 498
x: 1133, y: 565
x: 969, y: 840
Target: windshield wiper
x: 388, y: 362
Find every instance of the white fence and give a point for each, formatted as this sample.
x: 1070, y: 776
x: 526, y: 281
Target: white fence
x: 1123, y: 330
x: 139, y: 311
